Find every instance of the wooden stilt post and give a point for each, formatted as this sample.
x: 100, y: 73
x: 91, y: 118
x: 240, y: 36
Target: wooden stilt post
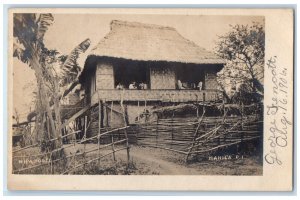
x: 106, y: 113
x: 85, y: 126
x: 172, y: 124
x: 125, y: 130
x: 145, y: 110
x: 138, y: 112
x: 112, y: 134
x: 111, y: 112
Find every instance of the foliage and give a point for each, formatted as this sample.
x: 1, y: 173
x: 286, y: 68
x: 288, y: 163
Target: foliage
x: 70, y: 66
x: 245, y: 95
x: 52, y: 70
x: 243, y: 48
x: 28, y: 32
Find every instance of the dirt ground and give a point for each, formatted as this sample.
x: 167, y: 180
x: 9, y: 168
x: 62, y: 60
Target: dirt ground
x: 154, y: 161
x: 147, y: 161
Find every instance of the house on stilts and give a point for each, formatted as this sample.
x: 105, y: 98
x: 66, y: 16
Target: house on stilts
x: 141, y: 66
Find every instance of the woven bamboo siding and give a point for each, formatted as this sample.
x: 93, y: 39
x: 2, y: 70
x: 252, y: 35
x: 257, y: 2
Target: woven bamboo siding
x: 211, y: 81
x: 162, y: 78
x: 105, y: 76
x: 178, y: 133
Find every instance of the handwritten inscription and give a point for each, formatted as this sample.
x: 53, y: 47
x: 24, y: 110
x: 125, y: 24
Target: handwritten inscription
x: 277, y: 134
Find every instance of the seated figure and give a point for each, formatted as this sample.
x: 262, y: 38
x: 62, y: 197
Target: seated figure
x: 200, y: 85
x: 143, y: 86
x: 132, y: 86
x: 179, y: 85
x: 120, y: 86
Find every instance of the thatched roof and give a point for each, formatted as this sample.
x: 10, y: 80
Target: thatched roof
x: 147, y: 42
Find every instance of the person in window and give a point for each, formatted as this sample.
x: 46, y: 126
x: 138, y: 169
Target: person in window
x: 143, y: 86
x: 179, y: 85
x: 193, y: 86
x: 120, y: 86
x: 132, y: 86
x: 200, y: 85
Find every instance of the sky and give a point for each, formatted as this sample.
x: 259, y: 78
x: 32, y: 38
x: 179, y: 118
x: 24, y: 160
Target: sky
x: 69, y: 30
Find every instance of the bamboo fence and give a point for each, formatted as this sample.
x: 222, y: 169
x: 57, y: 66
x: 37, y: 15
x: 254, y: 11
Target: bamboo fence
x: 191, y: 136
x: 200, y: 135
x: 26, y: 162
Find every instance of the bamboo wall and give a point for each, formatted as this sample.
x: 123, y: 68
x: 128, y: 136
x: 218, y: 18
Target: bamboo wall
x: 104, y: 76
x: 162, y: 77
x: 210, y: 80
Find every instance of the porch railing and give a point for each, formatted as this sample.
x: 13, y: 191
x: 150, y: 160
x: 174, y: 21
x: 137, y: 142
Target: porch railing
x: 157, y: 95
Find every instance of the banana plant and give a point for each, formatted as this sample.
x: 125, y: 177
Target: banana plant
x: 52, y: 71
x: 71, y: 69
x: 28, y: 31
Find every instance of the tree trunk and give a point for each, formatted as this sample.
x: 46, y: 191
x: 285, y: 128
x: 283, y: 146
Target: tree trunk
x: 57, y: 112
x: 44, y: 96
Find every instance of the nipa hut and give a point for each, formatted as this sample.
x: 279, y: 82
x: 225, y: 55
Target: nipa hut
x: 145, y: 65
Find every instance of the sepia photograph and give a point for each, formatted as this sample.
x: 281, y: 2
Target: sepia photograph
x: 141, y: 94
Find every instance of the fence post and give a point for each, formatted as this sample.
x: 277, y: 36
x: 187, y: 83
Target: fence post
x: 156, y: 131
x: 51, y: 163
x: 172, y: 124
x: 84, y: 145
x: 242, y: 126
x: 113, y: 145
x: 99, y: 126
x: 195, y: 135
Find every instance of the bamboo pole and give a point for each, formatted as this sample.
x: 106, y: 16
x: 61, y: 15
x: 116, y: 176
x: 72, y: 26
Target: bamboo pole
x: 111, y: 113
x: 195, y: 134
x: 169, y: 149
x: 219, y: 146
x: 99, y: 125
x: 92, y: 150
x: 125, y: 130
x: 106, y: 113
x: 25, y: 148
x: 172, y: 131
x: 242, y: 126
x: 138, y: 112
x: 156, y: 131
x: 105, y: 133
x: 51, y: 164
x: 113, y: 146
x: 85, y: 129
x: 90, y: 161
x: 48, y: 126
